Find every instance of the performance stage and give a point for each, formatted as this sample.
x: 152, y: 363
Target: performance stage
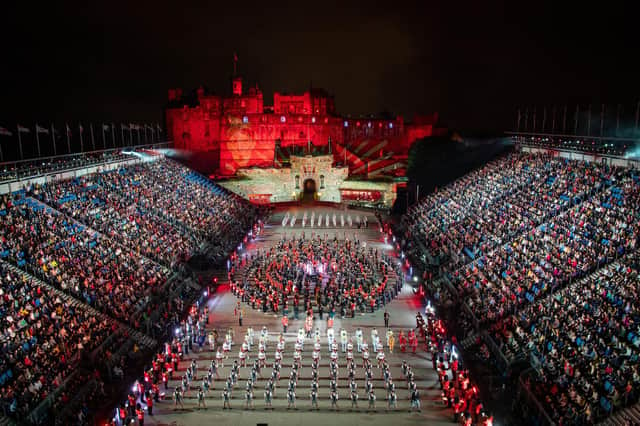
x: 402, y: 311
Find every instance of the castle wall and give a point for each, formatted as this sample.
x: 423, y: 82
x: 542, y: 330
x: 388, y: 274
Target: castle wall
x: 246, y: 135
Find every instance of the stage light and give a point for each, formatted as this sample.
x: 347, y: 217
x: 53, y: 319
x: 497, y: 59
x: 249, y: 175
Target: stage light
x: 391, y: 125
x: 283, y: 119
x: 178, y: 331
x: 206, y: 294
x: 245, y: 119
x: 313, y: 119
x: 415, y: 279
x: 346, y: 124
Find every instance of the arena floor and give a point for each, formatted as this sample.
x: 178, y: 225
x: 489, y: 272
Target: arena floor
x: 402, y: 316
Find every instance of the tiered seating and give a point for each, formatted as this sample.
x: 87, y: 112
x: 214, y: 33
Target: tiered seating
x: 93, y: 238
x: 569, y: 246
x: 43, y: 338
x: 185, y: 199
x: 96, y: 201
x: 488, y: 207
x: 586, y: 337
x: 541, y: 284
x: 82, y: 263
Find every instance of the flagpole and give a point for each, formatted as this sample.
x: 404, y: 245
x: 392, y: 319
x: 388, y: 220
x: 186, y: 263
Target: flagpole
x: 534, y: 118
x: 93, y: 142
x: 138, y: 129
x: 104, y: 145
x: 53, y: 139
x: 67, y: 131
x: 637, y: 117
x: 113, y: 134
x: 20, y: 144
x: 122, y: 133
x: 38, y: 140
x: 81, y: 141
x: 131, y: 134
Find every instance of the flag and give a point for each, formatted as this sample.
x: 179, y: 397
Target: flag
x: 23, y: 129
x: 5, y: 132
x: 41, y: 129
x: 106, y: 127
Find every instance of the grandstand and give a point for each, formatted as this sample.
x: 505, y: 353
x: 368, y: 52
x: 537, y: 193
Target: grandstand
x: 93, y: 270
x: 541, y: 253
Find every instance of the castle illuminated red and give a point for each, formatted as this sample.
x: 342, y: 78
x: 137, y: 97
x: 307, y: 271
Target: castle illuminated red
x: 248, y: 133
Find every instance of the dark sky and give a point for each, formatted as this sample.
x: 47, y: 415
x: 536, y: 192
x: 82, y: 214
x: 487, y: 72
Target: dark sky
x: 472, y: 61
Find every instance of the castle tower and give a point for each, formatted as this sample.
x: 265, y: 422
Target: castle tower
x: 237, y: 86
x: 237, y: 80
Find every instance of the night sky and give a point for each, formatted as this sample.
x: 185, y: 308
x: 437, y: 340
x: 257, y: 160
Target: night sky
x: 474, y: 62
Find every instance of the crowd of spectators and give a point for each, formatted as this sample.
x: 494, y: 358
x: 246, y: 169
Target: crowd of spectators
x: 544, y: 253
x: 111, y: 241
x: 81, y: 262
x: 587, y: 343
x: 567, y: 247
x: 582, y: 144
x: 179, y: 195
x: 101, y: 202
x: 44, y: 336
x: 13, y: 171
x: 488, y: 207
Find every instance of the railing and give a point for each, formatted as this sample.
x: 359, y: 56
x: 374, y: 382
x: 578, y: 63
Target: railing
x: 39, y: 414
x: 543, y: 418
x: 65, y: 413
x: 14, y: 171
x: 501, y: 361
